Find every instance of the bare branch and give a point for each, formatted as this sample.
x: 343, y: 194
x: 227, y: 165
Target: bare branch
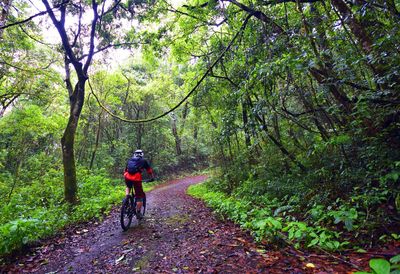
x: 64, y: 37
x: 24, y: 21
x: 79, y: 26
x: 195, y: 7
x: 32, y: 17
x: 68, y: 76
x: 284, y: 109
x: 258, y: 14
x: 113, y: 7
x: 110, y: 46
x: 92, y: 36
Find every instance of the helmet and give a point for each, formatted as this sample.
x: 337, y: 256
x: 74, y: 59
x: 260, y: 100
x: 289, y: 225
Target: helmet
x: 138, y: 153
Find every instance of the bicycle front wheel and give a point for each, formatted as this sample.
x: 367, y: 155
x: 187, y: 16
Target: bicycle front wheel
x: 127, y: 212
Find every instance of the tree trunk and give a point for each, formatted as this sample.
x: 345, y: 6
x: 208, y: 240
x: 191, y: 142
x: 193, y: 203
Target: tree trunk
x: 245, y: 124
x: 324, y: 71
x: 195, y: 135
x: 380, y: 68
x: 68, y: 140
x: 281, y: 147
x: 175, y: 134
x: 16, y: 178
x: 96, y: 145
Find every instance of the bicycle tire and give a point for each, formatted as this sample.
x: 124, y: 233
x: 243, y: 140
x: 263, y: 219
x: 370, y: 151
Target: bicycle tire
x: 143, y: 209
x: 144, y: 205
x: 127, y: 212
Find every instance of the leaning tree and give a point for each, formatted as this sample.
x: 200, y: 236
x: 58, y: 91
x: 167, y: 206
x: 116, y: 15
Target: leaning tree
x: 86, y: 28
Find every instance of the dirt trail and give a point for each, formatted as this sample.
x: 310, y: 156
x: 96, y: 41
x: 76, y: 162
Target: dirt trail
x: 179, y: 234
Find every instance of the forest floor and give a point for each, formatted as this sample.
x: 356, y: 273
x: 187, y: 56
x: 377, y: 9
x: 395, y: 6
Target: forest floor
x: 178, y: 235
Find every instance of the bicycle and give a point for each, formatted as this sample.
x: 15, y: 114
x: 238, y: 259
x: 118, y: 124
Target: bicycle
x: 128, y: 209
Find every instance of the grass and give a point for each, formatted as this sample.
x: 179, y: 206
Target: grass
x: 37, y: 211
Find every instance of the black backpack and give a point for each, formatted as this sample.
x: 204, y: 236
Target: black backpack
x: 134, y: 165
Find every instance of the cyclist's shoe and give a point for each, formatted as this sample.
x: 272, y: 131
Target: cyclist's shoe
x: 139, y: 215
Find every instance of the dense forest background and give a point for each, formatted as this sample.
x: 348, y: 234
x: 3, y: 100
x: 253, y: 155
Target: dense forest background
x: 293, y: 104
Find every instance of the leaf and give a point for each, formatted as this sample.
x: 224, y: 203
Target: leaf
x: 298, y: 234
x: 336, y: 244
x: 260, y: 224
x: 275, y: 223
x: 380, y: 266
x: 313, y: 242
x: 310, y: 265
x: 348, y: 224
x: 127, y: 251
x: 117, y: 261
x: 360, y: 250
x: 395, y: 259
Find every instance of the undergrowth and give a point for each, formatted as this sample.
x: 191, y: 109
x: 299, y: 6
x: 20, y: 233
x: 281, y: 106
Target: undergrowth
x: 330, y: 227
x: 37, y: 210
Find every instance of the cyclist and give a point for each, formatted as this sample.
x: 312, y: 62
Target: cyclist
x: 133, y: 177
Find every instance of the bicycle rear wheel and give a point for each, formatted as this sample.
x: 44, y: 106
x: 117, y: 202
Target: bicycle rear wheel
x: 127, y: 212
x: 143, y: 208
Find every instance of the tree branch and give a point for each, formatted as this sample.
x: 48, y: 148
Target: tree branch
x: 224, y: 78
x: 197, y: 18
x: 107, y: 47
x: 258, y: 14
x: 23, y: 21
x: 28, y: 70
x: 92, y: 36
x: 34, y: 39
x: 32, y: 17
x: 79, y: 27
x: 64, y: 37
x: 189, y: 94
x: 288, y: 1
x: 112, y: 8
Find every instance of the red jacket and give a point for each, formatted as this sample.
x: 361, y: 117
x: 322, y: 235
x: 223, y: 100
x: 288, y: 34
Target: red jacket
x: 137, y: 176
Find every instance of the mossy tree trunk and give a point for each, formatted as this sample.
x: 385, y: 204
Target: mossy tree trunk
x: 76, y: 94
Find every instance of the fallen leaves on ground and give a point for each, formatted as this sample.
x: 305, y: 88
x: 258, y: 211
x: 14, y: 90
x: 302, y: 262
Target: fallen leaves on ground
x: 179, y: 235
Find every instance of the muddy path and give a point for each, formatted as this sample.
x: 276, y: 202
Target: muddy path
x: 179, y: 235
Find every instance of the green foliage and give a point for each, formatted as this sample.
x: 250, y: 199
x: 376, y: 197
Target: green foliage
x: 382, y: 266
x: 261, y: 221
x: 300, y: 117
x: 38, y: 210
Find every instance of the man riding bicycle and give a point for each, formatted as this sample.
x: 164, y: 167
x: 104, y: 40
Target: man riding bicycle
x: 133, y: 177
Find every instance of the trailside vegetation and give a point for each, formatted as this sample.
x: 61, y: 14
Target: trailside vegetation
x: 305, y: 116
